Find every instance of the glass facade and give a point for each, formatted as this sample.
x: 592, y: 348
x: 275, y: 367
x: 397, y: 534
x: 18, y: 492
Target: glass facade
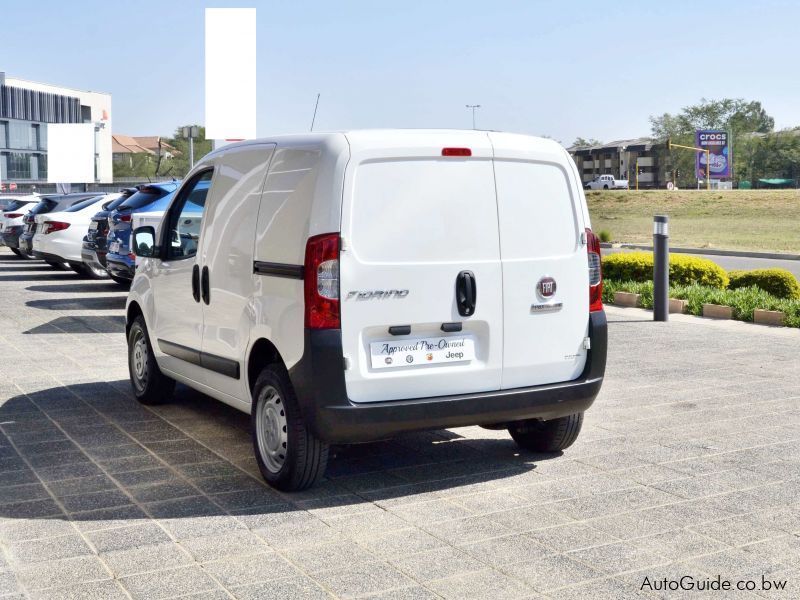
x: 23, y: 145
x: 24, y: 115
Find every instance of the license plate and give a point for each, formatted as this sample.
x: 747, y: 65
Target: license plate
x: 425, y: 351
x: 93, y: 225
x: 113, y: 247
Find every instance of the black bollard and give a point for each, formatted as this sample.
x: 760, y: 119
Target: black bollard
x: 660, y: 268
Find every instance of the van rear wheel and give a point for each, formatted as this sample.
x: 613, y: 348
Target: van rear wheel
x: 150, y: 385
x: 289, y: 457
x: 547, y: 436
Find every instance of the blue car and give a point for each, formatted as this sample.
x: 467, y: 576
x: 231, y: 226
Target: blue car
x: 152, y: 197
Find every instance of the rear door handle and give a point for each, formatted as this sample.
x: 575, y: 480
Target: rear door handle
x: 205, y: 286
x: 466, y: 293
x: 196, y: 283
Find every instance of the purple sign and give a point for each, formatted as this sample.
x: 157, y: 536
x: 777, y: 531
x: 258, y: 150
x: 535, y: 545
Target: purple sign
x: 719, y: 156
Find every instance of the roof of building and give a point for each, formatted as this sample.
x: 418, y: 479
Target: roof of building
x: 19, y: 82
x: 638, y: 144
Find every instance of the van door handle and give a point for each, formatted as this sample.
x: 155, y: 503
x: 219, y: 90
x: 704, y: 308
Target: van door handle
x: 205, y: 288
x: 196, y: 283
x: 466, y: 293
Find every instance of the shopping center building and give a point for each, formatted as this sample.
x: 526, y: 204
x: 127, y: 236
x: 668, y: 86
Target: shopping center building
x: 26, y: 109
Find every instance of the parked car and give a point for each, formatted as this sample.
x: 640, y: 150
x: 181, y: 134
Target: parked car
x: 120, y: 261
x: 95, y: 247
x: 47, y: 204
x: 607, y: 182
x: 11, y: 220
x: 333, y: 295
x: 59, y: 235
x: 7, y: 201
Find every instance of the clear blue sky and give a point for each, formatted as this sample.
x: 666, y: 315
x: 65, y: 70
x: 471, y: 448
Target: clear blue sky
x: 563, y: 69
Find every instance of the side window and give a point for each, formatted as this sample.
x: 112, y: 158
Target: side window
x: 186, y: 217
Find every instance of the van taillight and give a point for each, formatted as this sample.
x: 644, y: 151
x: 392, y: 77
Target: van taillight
x: 595, y: 272
x: 321, y: 282
x: 13, y: 215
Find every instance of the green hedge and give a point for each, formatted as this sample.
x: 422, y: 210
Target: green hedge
x: 778, y: 282
x: 744, y: 300
x: 683, y: 269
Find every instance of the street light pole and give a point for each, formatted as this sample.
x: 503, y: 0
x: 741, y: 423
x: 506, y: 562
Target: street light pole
x: 191, y: 132
x: 473, y: 107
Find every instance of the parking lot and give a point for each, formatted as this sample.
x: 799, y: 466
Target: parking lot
x: 688, y: 465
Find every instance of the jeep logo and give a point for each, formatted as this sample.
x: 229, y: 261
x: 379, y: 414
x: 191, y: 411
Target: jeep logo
x: 546, y: 287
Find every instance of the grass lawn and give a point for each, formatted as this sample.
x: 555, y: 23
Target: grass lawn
x: 766, y: 220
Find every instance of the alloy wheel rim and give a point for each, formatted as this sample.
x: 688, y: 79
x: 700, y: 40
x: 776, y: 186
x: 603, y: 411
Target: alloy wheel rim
x: 271, y: 429
x: 139, y: 360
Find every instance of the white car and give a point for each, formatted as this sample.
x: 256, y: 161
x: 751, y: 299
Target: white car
x: 59, y: 235
x: 349, y: 287
x: 606, y: 182
x: 12, y: 212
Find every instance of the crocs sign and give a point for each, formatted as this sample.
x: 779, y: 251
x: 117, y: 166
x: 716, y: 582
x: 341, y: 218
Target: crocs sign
x: 719, y: 154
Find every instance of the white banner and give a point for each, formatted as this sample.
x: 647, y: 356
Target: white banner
x: 70, y: 152
x: 230, y: 73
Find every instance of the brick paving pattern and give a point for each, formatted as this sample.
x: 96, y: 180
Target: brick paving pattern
x: 688, y: 465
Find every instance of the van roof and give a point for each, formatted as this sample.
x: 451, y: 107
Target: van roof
x: 380, y: 136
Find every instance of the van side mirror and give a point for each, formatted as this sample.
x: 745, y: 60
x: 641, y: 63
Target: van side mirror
x: 144, y: 241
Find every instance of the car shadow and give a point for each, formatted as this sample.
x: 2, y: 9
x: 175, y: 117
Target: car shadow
x: 78, y: 324
x: 43, y: 275
x: 90, y: 452
x: 87, y: 286
x: 80, y: 303
x: 4, y: 268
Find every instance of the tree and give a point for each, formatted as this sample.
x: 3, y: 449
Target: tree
x: 582, y: 142
x: 736, y: 115
x: 180, y: 163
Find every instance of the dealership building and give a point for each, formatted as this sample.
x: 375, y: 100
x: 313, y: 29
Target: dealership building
x: 26, y: 109
x: 621, y: 159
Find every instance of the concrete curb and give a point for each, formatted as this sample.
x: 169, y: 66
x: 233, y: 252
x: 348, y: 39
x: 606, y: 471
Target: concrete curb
x: 792, y: 333
x: 717, y: 311
x: 708, y: 251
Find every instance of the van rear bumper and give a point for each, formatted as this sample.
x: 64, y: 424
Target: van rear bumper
x: 318, y: 379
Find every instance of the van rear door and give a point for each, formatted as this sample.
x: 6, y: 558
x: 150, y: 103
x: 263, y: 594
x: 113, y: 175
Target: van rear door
x: 419, y: 227
x: 544, y: 262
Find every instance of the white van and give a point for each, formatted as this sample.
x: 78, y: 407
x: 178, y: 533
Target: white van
x: 348, y: 287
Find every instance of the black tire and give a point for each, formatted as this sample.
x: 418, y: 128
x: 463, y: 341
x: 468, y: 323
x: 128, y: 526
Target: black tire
x: 276, y: 425
x: 78, y: 268
x: 16, y: 251
x: 547, y: 436
x: 58, y: 266
x: 605, y: 187
x: 92, y: 272
x: 126, y: 283
x: 150, y: 385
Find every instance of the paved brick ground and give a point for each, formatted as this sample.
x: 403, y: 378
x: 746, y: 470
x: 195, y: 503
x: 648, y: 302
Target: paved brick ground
x: 688, y: 465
